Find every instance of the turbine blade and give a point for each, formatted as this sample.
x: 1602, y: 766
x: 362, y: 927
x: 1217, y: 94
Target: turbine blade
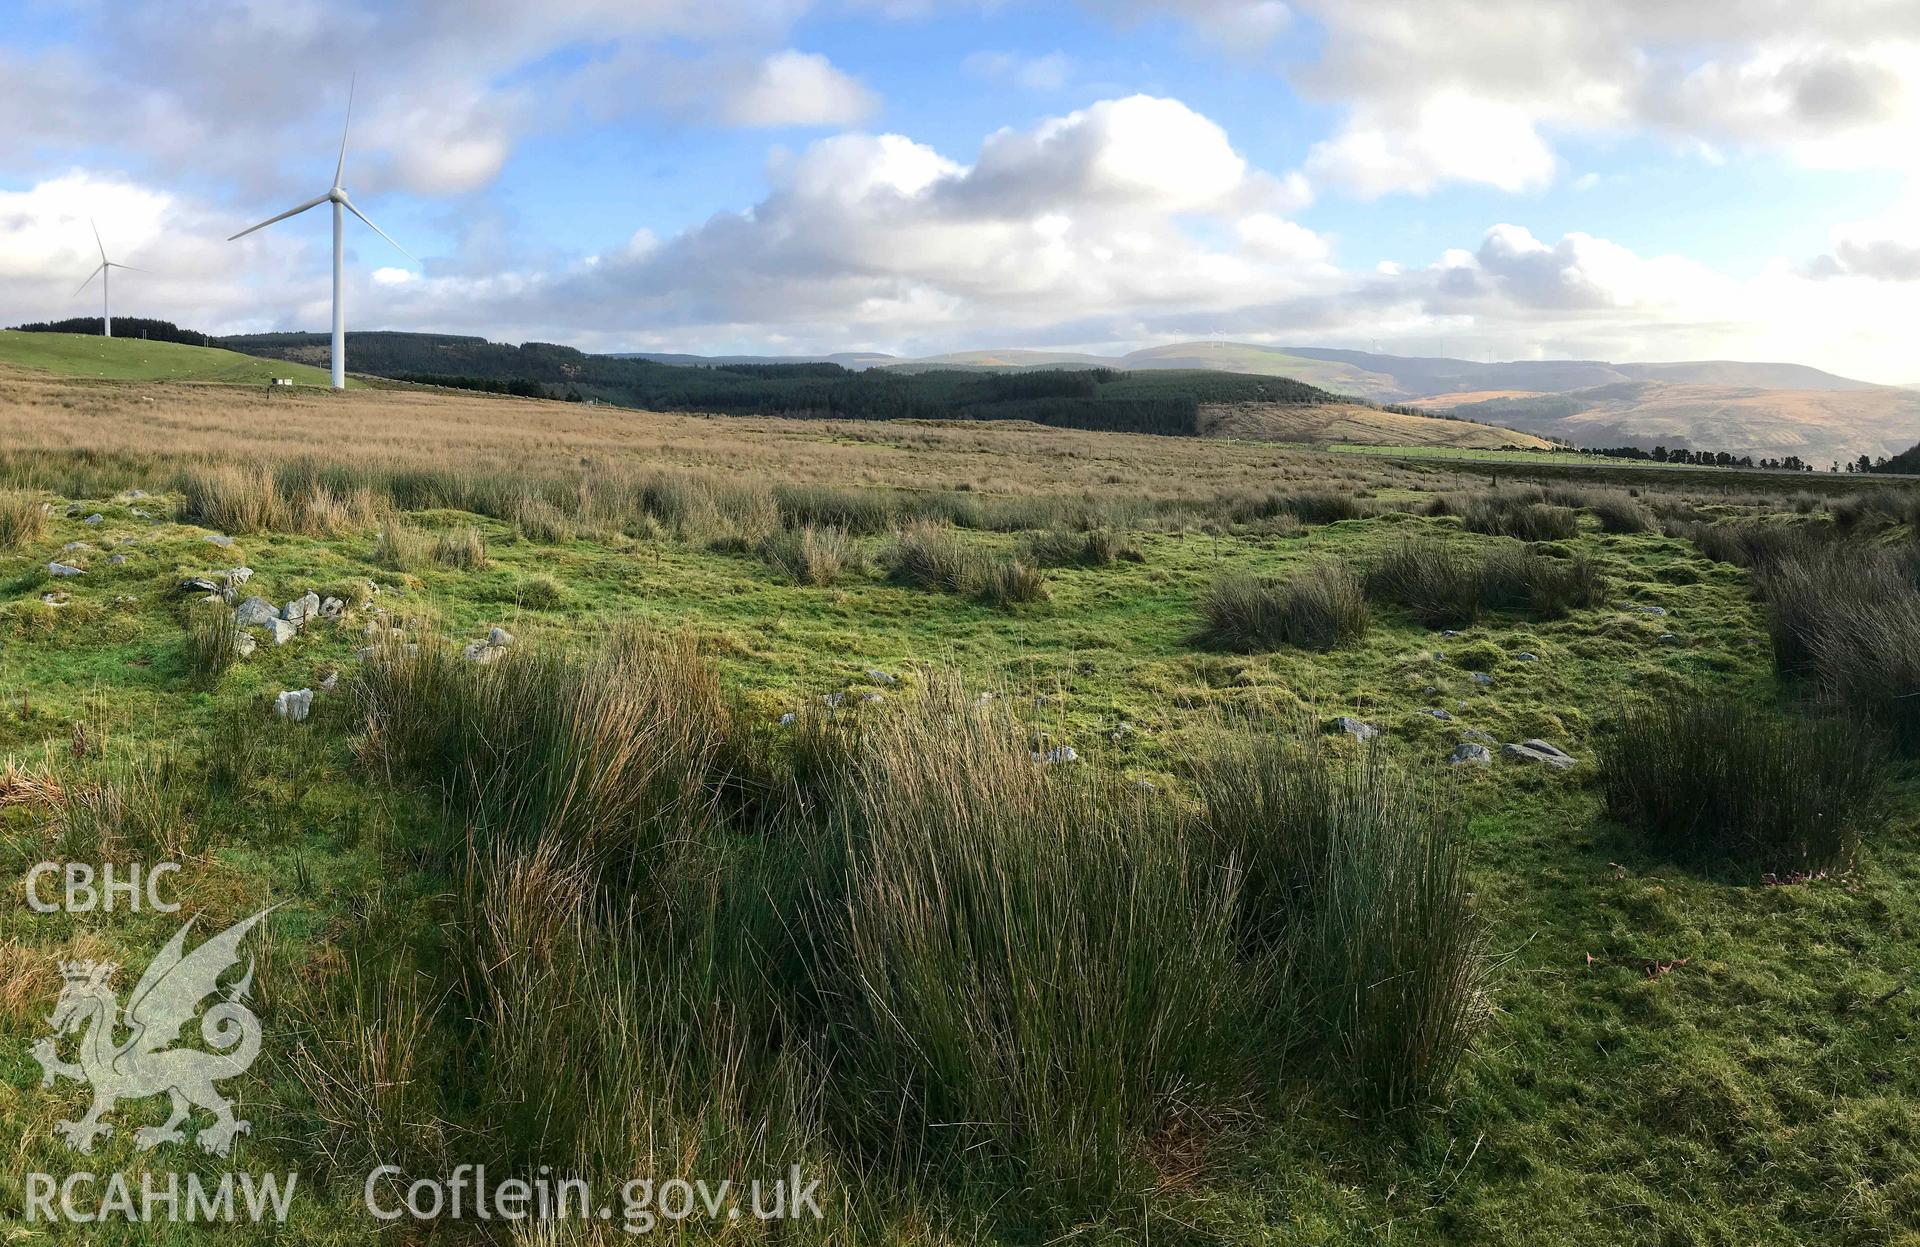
x: 130, y: 268
x: 96, y: 239
x: 90, y: 276
x: 340, y: 169
x: 376, y: 229
x: 311, y: 203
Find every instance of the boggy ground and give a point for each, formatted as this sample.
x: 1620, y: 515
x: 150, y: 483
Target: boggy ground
x: 1672, y: 1053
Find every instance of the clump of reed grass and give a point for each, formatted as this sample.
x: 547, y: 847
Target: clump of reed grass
x: 536, y: 519
x: 22, y: 519
x: 401, y: 546
x: 213, y: 642
x: 1619, y: 513
x: 1518, y: 515
x: 809, y: 555
x: 932, y: 556
x: 463, y: 548
x: 1097, y: 547
x: 1322, y: 609
x: 1011, y: 582
x: 1715, y: 781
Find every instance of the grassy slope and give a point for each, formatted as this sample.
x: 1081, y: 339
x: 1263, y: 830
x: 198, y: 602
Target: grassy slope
x: 1343, y: 423
x: 1740, y: 1098
x: 135, y: 359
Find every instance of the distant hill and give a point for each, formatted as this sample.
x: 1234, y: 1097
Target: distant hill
x: 1354, y: 424
x: 136, y: 359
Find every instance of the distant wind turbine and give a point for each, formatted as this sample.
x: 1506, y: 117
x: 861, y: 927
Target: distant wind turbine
x: 337, y: 196
x: 105, y: 274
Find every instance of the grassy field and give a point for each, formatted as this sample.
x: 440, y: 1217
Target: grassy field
x: 584, y: 899
x: 132, y: 359
x: 1344, y: 424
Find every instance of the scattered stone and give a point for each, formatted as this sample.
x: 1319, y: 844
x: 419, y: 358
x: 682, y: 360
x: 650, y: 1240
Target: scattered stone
x: 1470, y: 754
x: 252, y: 613
x: 96, y: 518
x: 279, y: 631
x: 480, y: 651
x: 1526, y: 656
x: 881, y: 677
x: 1537, y: 751
x: 1667, y: 638
x: 364, y: 653
x: 332, y: 608
x: 56, y: 598
x: 139, y: 514
x: 789, y: 719
x: 219, y: 539
x: 1144, y: 785
x: 1355, y: 728
x: 75, y: 545
x: 62, y: 569
x: 294, y: 705
x: 832, y: 700
x: 1474, y: 733
x: 499, y: 636
x: 1059, y: 753
x: 869, y: 698
x: 1442, y: 715
x: 1120, y: 732
x: 136, y: 493
x: 237, y: 576
x: 332, y: 678
x: 302, y: 609
x: 981, y: 699
x: 244, y: 644
x: 1480, y: 677
x: 117, y: 559
x: 1448, y: 632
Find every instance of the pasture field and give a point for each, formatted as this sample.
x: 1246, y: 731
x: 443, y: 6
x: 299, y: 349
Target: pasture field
x: 1064, y: 908
x: 123, y: 359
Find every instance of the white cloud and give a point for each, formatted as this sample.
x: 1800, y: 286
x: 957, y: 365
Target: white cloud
x: 1049, y: 72
x: 1451, y: 136
x: 793, y: 88
x: 392, y: 276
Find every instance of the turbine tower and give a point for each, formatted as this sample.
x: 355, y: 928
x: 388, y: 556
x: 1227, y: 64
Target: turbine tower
x: 337, y: 196
x: 105, y: 274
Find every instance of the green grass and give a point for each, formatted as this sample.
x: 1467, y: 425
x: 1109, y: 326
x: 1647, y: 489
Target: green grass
x: 1672, y: 1056
x: 135, y: 359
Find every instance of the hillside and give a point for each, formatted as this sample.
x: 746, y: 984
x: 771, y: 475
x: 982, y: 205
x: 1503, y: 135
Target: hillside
x: 137, y: 359
x: 1353, y: 423
x: 1820, y: 426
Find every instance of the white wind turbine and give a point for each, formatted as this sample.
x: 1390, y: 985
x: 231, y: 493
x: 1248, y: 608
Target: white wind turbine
x: 105, y: 274
x: 337, y: 196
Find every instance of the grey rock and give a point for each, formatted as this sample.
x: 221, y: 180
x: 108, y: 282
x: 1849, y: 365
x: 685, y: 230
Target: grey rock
x: 254, y: 613
x: 237, y: 576
x: 279, y: 631
x: 219, y: 539
x: 1144, y: 786
x: 96, y: 518
x: 1355, y: 728
x: 75, y: 545
x: 244, y: 645
x: 1526, y: 656
x: 1474, y: 733
x: 869, y: 698
x: 1449, y: 632
x: 327, y: 685
x: 1667, y: 638
x: 1442, y: 715
x: 981, y: 699
x: 302, y: 609
x: 789, y: 719
x: 1480, y: 677
x: 294, y: 705
x: 480, y: 651
x: 55, y: 599
x: 136, y: 493
x: 499, y: 636
x: 881, y: 677
x: 1470, y: 754
x: 832, y: 700
x: 117, y: 559
x: 1538, y: 751
x: 1057, y: 754
x: 332, y: 608
x: 62, y: 569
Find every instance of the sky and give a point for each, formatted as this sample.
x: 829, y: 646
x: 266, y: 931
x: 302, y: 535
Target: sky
x: 1490, y: 179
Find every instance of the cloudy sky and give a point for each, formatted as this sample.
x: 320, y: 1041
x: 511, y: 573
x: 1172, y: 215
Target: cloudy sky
x: 1623, y: 179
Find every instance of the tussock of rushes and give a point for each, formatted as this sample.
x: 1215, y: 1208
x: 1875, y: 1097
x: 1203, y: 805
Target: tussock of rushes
x: 810, y: 556
x: 231, y: 498
x: 1010, y: 582
x: 401, y: 546
x: 1353, y: 878
x: 1040, y: 977
x: 1517, y: 515
x: 464, y: 549
x: 539, y: 520
x: 1619, y: 513
x: 213, y: 640
x: 1851, y: 620
x: 22, y: 519
x: 1097, y: 548
x: 24, y: 786
x: 931, y: 556
x: 1323, y: 608
x: 1443, y: 585
x: 1711, y: 781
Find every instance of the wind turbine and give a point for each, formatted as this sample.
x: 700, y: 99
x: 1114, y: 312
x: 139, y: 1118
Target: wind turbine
x: 105, y: 274
x: 342, y: 205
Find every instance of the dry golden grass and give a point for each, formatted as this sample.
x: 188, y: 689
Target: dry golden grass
x: 401, y: 428
x: 1328, y: 423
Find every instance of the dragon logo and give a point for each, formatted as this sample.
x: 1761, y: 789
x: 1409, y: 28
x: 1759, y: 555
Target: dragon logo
x: 142, y: 1064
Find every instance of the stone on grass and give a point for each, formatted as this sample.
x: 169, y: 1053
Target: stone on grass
x: 480, y: 651
x: 1538, y: 751
x: 881, y: 677
x: 117, y: 559
x: 95, y: 518
x: 832, y: 700
x: 244, y: 644
x: 75, y: 545
x: 279, y: 631
x: 252, y: 613
x: 1667, y: 638
x: 327, y: 684
x: 1470, y: 754
x: 63, y: 569
x: 1355, y: 728
x: 869, y: 698
x: 1059, y: 753
x: 1442, y: 715
x: 218, y: 539
x: 1526, y: 656
x: 789, y: 719
x: 237, y: 576
x: 294, y: 705
x: 332, y: 608
x: 499, y: 636
x: 1480, y: 677
x: 1485, y: 738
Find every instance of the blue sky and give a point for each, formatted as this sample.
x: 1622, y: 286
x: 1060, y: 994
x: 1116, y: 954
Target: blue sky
x: 1508, y: 178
